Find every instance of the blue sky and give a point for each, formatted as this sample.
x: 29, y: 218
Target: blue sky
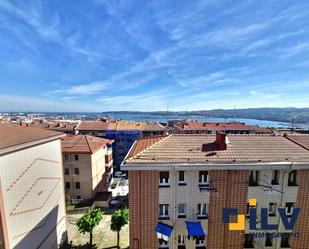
x: 111, y: 55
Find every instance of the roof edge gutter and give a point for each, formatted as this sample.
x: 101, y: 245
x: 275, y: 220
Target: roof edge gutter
x: 28, y: 144
x: 199, y: 166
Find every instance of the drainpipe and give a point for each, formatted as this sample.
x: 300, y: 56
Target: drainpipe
x: 175, y: 208
x: 283, y: 188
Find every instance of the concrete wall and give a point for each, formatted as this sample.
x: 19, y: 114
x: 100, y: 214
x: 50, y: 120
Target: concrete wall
x: 91, y: 169
x: 98, y: 169
x: 84, y: 177
x: 33, y: 196
x: 191, y: 196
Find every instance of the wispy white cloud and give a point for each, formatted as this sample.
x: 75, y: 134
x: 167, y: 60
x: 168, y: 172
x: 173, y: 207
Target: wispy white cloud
x: 212, y: 78
x: 84, y: 89
x: 186, y: 53
x: 227, y: 36
x: 294, y: 50
x: 152, y: 101
x: 26, y: 103
x: 32, y: 15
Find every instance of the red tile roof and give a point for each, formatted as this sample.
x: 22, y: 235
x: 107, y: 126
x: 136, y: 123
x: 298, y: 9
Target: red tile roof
x: 301, y: 140
x: 13, y: 134
x: 220, y: 126
x: 83, y: 144
x: 201, y: 149
x: 92, y: 126
x: 143, y: 126
x: 143, y: 143
x: 62, y: 127
x: 120, y: 125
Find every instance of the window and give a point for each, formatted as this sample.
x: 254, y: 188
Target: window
x: 201, y: 211
x: 66, y: 158
x: 289, y: 206
x: 164, y: 179
x: 285, y: 240
x: 67, y: 185
x: 76, y: 157
x: 254, y: 178
x: 248, y: 241
x: 181, y: 242
x: 272, y: 209
x: 203, y: 178
x: 181, y: 178
x: 66, y: 171
x: 163, y: 209
x: 76, y: 171
x: 268, y: 240
x: 163, y: 244
x: 77, y: 185
x: 200, y: 243
x: 247, y: 210
x: 292, y: 178
x: 274, y: 177
x: 182, y: 210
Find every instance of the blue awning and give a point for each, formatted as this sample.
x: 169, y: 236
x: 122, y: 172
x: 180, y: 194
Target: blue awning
x: 195, y: 228
x: 163, y: 231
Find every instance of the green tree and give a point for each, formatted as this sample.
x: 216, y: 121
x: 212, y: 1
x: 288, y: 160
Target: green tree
x: 120, y: 218
x: 89, y: 221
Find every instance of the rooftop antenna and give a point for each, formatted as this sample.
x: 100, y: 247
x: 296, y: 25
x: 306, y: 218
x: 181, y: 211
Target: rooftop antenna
x: 293, y: 124
x: 167, y: 115
x: 234, y: 114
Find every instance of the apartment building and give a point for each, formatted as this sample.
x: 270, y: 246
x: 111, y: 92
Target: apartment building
x: 88, y: 166
x: 94, y: 128
x: 32, y: 207
x: 190, y: 127
x: 179, y: 186
x: 123, y: 132
x: 66, y: 128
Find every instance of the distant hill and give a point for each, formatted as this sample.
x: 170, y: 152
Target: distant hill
x: 300, y: 115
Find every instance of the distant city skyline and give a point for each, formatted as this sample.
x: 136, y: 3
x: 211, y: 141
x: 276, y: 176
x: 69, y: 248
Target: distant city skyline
x: 131, y: 55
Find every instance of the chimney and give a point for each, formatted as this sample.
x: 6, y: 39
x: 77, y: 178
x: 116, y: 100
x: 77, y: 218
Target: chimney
x: 24, y: 124
x: 221, y: 140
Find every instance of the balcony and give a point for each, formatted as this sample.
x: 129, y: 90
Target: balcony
x: 109, y: 150
x: 108, y: 160
x: 202, y: 216
x: 164, y: 217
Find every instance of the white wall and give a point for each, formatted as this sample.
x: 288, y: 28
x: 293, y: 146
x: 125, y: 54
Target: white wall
x: 33, y: 193
x: 189, y: 194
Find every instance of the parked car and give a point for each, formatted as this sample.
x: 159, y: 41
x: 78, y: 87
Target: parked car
x: 120, y: 174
